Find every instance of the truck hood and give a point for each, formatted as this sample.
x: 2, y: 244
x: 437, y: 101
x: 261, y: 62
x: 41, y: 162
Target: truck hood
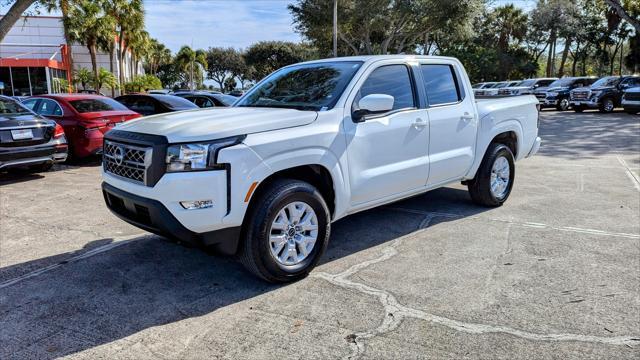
x: 218, y: 123
x: 558, y: 88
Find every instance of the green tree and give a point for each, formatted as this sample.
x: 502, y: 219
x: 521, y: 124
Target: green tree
x: 190, y: 62
x: 89, y: 25
x: 83, y: 76
x: 105, y: 78
x: 266, y: 57
x: 381, y: 26
x: 129, y: 17
x: 223, y: 64
x: 157, y: 56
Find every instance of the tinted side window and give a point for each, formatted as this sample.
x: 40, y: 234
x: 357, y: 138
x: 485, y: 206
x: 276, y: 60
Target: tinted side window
x: 440, y: 83
x: 545, y: 82
x: 49, y: 107
x: 144, y: 106
x: 31, y: 104
x: 391, y: 80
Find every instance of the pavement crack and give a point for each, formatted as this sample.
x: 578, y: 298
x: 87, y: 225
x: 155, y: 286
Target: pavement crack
x: 395, y: 313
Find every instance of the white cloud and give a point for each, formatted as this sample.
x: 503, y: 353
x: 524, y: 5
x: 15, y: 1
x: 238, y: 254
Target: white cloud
x: 212, y: 23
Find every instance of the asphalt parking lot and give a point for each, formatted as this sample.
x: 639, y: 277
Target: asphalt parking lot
x: 554, y: 273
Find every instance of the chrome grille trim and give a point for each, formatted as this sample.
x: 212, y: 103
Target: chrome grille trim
x: 580, y: 95
x: 134, y: 163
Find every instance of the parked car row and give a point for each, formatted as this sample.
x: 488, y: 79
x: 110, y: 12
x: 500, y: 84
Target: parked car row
x: 578, y: 93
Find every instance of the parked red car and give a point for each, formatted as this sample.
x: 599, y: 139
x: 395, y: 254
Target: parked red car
x: 85, y: 118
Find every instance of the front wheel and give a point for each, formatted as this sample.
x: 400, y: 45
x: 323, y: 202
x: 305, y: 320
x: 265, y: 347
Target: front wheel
x: 563, y: 104
x: 286, y: 232
x: 607, y: 105
x: 494, y: 179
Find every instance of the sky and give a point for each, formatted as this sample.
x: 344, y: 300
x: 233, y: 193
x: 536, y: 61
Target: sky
x: 227, y: 23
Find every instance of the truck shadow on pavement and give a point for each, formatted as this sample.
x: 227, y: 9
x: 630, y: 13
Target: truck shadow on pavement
x: 150, y: 281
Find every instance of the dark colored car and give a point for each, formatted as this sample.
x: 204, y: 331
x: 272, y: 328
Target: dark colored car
x: 206, y: 99
x: 85, y: 118
x: 605, y: 94
x: 150, y: 104
x: 631, y: 100
x: 28, y: 140
x: 557, y: 94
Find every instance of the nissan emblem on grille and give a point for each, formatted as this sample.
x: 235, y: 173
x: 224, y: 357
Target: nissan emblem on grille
x: 126, y: 161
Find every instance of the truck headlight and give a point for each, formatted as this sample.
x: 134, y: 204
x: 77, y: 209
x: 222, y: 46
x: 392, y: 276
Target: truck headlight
x: 197, y: 156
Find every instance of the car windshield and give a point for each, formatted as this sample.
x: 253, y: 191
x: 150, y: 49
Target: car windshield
x: 562, y: 82
x: 607, y: 81
x: 316, y: 86
x: 501, y: 85
x: 175, y: 102
x: 12, y: 107
x: 529, y: 82
x: 96, y: 105
x: 227, y: 100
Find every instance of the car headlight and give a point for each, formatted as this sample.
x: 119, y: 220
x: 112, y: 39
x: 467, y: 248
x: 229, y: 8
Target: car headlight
x: 197, y: 156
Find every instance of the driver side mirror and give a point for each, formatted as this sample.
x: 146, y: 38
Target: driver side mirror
x: 372, y: 104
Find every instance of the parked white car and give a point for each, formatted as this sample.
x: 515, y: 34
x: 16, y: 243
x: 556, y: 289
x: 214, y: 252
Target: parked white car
x: 308, y: 145
x: 494, y: 90
x: 527, y: 87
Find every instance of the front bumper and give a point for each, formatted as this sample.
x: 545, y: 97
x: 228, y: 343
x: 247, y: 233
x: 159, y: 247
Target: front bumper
x: 54, y: 151
x: 151, y: 215
x: 593, y: 103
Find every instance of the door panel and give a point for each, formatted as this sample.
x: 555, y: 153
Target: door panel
x: 453, y: 124
x: 388, y: 153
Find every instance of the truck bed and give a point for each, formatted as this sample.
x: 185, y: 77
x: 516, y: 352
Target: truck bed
x: 504, y: 105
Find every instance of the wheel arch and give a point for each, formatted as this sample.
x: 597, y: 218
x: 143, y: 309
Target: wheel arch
x: 509, y: 134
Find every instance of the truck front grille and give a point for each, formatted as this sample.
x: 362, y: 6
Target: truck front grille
x: 126, y: 161
x: 541, y: 95
x: 580, y: 95
x: 504, y: 92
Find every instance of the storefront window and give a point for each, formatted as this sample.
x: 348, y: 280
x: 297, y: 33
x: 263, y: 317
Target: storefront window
x: 5, y: 79
x: 58, y: 81
x: 38, y: 80
x: 20, y: 81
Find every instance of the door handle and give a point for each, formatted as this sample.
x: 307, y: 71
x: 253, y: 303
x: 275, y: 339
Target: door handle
x: 419, y: 123
x: 466, y: 117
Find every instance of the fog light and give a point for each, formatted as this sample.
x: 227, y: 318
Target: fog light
x: 199, y: 204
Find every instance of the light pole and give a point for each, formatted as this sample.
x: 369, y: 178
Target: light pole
x: 335, y: 28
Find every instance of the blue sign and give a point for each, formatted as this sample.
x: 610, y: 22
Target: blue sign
x: 1, y: 85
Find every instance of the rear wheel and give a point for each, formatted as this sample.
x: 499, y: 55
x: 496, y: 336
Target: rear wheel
x: 607, y: 105
x: 286, y: 232
x: 494, y: 179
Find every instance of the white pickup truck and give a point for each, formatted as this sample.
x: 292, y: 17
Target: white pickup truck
x: 308, y: 145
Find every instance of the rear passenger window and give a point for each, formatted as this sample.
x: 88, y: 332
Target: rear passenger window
x: 49, y: 107
x: 391, y: 80
x: 440, y: 83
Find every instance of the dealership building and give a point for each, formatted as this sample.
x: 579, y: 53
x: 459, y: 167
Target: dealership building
x: 34, y: 58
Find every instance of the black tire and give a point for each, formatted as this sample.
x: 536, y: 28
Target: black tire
x: 563, y: 104
x: 607, y: 105
x: 480, y: 186
x: 255, y: 252
x: 579, y: 108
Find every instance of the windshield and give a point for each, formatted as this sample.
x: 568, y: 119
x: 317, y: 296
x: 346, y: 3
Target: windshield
x: 501, y: 85
x: 227, y: 100
x: 562, y: 82
x: 530, y: 82
x: 315, y: 86
x: 12, y: 107
x: 607, y: 81
x: 175, y: 102
x: 96, y: 105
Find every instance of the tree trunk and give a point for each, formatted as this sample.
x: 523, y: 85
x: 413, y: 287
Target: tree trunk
x: 617, y: 7
x: 565, y: 53
x: 94, y: 61
x: 12, y: 16
x: 111, y: 50
x: 552, y: 40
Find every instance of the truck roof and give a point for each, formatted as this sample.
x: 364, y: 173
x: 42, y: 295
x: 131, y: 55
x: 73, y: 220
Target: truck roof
x: 374, y: 58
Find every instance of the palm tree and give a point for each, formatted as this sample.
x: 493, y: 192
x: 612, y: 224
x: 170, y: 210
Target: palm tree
x: 82, y: 76
x: 105, y: 78
x: 187, y: 61
x: 158, y: 55
x: 89, y: 25
x: 129, y: 18
x: 140, y: 45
